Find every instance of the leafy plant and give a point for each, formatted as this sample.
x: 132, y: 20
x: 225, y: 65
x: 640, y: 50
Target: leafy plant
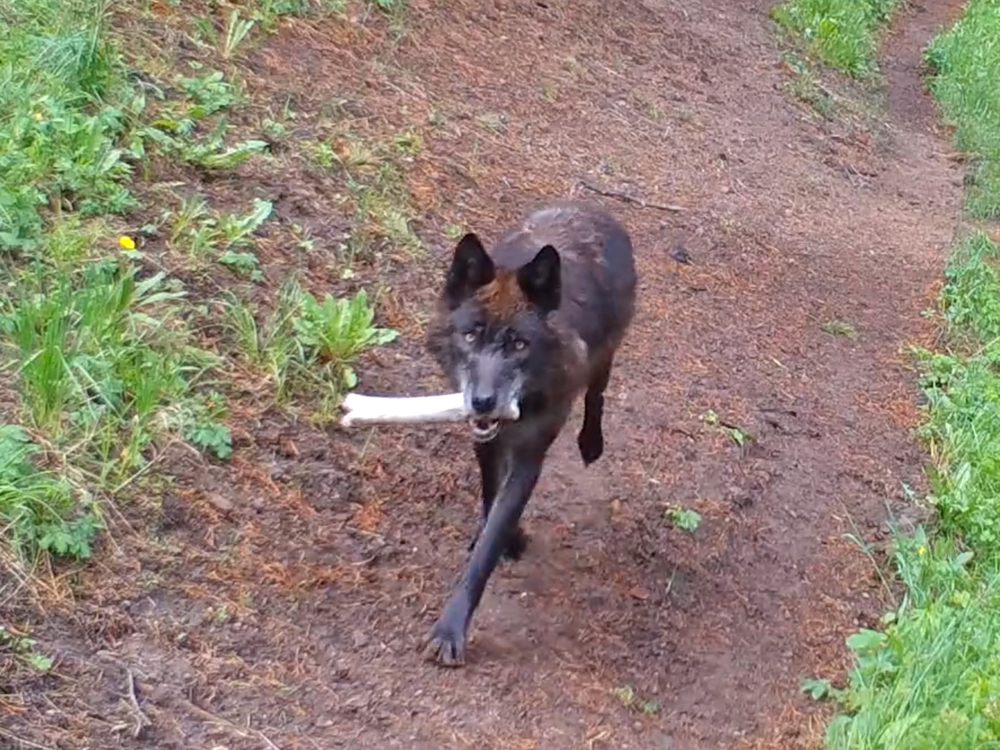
x: 209, y: 93
x: 37, y: 507
x: 339, y: 330
x: 201, y: 426
x: 684, y: 519
x: 24, y: 648
x: 819, y: 689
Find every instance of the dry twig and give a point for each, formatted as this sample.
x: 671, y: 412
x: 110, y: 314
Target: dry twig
x: 141, y: 720
x: 625, y: 197
x: 21, y: 742
x: 235, y: 728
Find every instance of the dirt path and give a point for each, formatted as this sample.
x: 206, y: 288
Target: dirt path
x: 289, y: 594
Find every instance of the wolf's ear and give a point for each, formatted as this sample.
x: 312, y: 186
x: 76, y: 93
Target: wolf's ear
x: 471, y: 268
x: 540, y: 279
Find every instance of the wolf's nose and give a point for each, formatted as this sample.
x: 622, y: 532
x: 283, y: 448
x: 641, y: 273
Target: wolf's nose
x: 484, y: 404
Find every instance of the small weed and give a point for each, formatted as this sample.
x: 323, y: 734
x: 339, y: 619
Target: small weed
x: 684, y: 519
x: 338, y: 330
x: 208, y: 94
x: 200, y: 423
x: 245, y: 264
x: 735, y: 433
x: 269, y: 345
x: 204, y: 31
x: 236, y: 230
x: 24, y: 649
x: 38, y: 509
x: 210, y: 153
x: 840, y: 328
x: 198, y: 232
x: 237, y: 31
x: 820, y: 689
x: 305, y: 343
x: 629, y: 699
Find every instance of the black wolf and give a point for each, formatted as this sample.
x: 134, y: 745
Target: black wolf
x: 534, y: 323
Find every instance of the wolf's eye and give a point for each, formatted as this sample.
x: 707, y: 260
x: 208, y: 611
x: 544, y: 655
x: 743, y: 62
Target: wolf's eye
x: 470, y: 336
x: 520, y: 345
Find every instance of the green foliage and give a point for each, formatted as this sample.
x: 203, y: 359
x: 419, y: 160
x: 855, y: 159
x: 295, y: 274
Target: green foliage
x: 24, y: 649
x: 966, y: 64
x: 38, y: 510
x: 97, y: 346
x: 100, y: 354
x: 684, y: 519
x: 201, y: 426
x: 931, y: 681
x: 842, y: 32
x: 963, y: 392
x: 338, y: 330
x: 304, y: 344
x: 63, y: 108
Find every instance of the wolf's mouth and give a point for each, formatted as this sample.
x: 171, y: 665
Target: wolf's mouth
x: 484, y: 430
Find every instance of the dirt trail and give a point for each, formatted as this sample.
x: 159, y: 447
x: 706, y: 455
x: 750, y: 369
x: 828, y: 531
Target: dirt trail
x: 293, y: 600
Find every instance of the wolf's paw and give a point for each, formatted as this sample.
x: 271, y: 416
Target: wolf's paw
x: 591, y: 444
x: 445, y: 646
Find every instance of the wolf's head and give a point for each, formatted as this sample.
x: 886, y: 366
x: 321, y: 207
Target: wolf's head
x: 493, y: 337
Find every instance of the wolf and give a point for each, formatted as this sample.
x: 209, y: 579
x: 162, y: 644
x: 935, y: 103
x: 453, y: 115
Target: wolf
x: 526, y: 329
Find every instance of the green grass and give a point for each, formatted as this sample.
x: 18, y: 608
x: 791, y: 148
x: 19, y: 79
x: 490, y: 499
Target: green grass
x: 843, y: 33
x: 304, y: 344
x: 100, y: 345
x: 966, y: 61
x: 931, y: 680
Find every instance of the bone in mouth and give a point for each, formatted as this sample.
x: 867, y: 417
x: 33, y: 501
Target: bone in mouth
x: 449, y: 407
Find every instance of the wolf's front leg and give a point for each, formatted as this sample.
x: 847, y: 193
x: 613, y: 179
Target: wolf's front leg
x: 492, y: 459
x: 446, y: 643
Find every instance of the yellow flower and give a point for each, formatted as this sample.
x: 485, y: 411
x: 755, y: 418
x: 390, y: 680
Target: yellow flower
x: 921, y: 550
x: 127, y: 242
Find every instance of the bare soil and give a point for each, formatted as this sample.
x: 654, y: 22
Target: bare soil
x: 278, y: 600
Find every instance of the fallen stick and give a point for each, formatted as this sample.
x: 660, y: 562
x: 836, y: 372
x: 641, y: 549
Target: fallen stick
x: 625, y: 197
x: 141, y: 720
x: 448, y: 407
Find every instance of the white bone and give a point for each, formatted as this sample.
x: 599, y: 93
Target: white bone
x: 449, y: 407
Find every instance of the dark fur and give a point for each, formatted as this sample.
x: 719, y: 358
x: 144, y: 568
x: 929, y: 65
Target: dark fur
x: 566, y: 274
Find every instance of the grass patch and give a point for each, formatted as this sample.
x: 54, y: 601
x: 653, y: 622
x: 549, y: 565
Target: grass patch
x: 931, y: 680
x: 842, y: 33
x: 966, y: 65
x: 100, y: 343
x: 376, y: 191
x: 304, y: 345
